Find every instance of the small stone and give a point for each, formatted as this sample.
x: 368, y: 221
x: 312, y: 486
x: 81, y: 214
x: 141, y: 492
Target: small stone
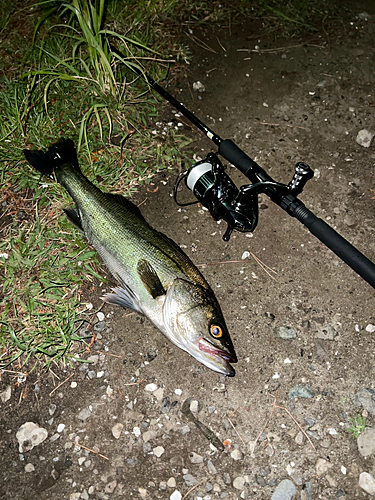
x: 195, y: 458
x: 327, y: 332
x: 84, y: 414
x: 284, y: 491
x: 199, y: 86
x: 117, y: 429
x: 158, y: 451
x: 239, y: 483
x: 194, y: 406
x: 93, y: 359
x: 99, y: 327
x: 100, y: 316
x: 84, y: 495
x: 285, y: 332
x: 110, y: 487
x: 75, y: 496
x: 211, y: 468
x: 364, y: 138
x: 236, y: 455
x: 185, y: 429
x: 136, y: 431
x: 52, y: 409
x: 171, y: 482
x: 81, y: 460
x: 60, y: 427
x: 367, y: 399
x: 299, y: 438
x: 148, y: 435
x: 370, y: 328
x: 5, y: 395
x: 176, y: 495
x: 178, y: 392
x: 190, y: 480
x: 142, y: 492
x: 322, y: 466
x: 73, y: 385
x: 151, y: 387
x: 367, y: 483
x: 366, y: 442
x: 30, y: 435
x: 159, y: 393
x: 29, y: 468
x: 301, y: 391
x: 211, y: 409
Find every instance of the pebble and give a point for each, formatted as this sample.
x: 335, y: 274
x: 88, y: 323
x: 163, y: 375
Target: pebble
x: 151, y: 387
x: 185, y: 429
x: 322, y: 466
x: 364, y: 138
x: 178, y: 392
x: 148, y: 435
x: 171, y: 482
x: 190, y: 480
x: 236, y: 455
x: 366, y: 397
x: 5, y: 395
x: 370, y: 328
x: 367, y: 483
x: 60, y: 427
x: 239, y: 483
x: 29, y: 468
x: 100, y: 316
x: 159, y: 393
x: 158, y: 451
x: 99, y: 327
x: 74, y: 496
x: 30, y: 435
x: 136, y: 431
x: 84, y: 495
x: 194, y: 406
x: 142, y: 492
x: 284, y: 491
x: 176, y: 495
x: 366, y: 442
x: 299, y: 438
x: 117, y: 429
x: 84, y: 414
x: 199, y: 86
x: 195, y: 458
x: 301, y: 391
x: 110, y: 487
x: 326, y: 333
x: 285, y: 332
x: 211, y: 468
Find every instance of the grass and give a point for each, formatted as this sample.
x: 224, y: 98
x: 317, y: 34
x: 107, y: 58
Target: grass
x: 358, y: 426
x: 66, y: 82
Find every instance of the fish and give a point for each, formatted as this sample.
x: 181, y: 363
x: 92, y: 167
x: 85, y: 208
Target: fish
x: 155, y: 277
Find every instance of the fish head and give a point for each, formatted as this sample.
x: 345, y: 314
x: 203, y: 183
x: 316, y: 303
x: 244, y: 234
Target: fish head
x: 194, y: 322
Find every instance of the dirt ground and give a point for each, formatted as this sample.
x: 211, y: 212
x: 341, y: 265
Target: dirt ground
x: 115, y: 428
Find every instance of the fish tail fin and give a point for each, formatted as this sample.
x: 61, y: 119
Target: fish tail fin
x: 58, y: 154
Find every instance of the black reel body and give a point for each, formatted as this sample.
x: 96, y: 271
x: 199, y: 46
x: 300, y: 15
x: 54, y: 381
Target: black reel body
x: 238, y: 207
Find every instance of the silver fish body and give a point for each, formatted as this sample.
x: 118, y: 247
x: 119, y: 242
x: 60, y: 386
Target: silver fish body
x: 155, y: 276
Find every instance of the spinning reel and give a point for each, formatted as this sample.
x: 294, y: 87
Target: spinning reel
x: 215, y: 190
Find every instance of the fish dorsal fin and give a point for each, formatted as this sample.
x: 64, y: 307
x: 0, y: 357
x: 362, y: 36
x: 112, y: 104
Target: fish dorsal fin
x: 125, y: 202
x: 150, y: 279
x: 74, y: 217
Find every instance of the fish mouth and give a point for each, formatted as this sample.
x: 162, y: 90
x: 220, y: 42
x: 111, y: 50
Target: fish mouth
x: 220, y: 355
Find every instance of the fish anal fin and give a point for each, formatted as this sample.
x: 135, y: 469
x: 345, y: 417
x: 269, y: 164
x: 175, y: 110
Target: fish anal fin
x: 150, y: 279
x: 74, y: 217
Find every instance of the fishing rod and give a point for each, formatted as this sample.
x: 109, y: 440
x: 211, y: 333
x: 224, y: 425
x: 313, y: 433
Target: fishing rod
x: 239, y: 207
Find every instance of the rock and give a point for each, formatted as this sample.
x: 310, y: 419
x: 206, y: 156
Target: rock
x: 321, y: 353
x: 151, y: 387
x: 159, y: 393
x: 211, y: 468
x: 110, y: 487
x: 60, y: 427
x: 142, y: 492
x: 367, y: 483
x: 301, y: 391
x: 195, y: 458
x: 199, y: 86
x: 158, y: 451
x: 30, y: 435
x: 148, y: 435
x: 176, y: 495
x: 75, y: 496
x: 29, y: 468
x: 84, y: 495
x: 327, y: 332
x: 117, y: 429
x: 322, y: 466
x: 171, y: 482
x: 239, y: 483
x: 236, y: 455
x: 364, y: 138
x: 190, y: 480
x: 284, y: 491
x: 5, y: 395
x: 194, y: 406
x: 366, y: 397
x: 285, y: 332
x: 370, y: 328
x: 84, y: 414
x: 366, y: 442
x: 307, y: 491
x: 299, y: 438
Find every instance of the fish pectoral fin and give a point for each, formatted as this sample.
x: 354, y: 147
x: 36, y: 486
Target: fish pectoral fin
x: 126, y: 203
x: 123, y: 296
x: 150, y: 279
x: 74, y: 217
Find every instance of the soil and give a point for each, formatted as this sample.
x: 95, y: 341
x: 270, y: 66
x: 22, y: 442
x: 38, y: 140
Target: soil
x: 282, y: 101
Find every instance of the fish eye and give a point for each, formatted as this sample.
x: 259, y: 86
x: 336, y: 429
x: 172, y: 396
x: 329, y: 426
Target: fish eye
x: 216, y: 331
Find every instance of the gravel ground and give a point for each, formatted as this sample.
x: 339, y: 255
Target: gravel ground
x: 125, y: 425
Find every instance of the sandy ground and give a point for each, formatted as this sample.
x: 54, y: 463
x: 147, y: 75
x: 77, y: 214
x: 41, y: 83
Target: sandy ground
x: 115, y: 428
